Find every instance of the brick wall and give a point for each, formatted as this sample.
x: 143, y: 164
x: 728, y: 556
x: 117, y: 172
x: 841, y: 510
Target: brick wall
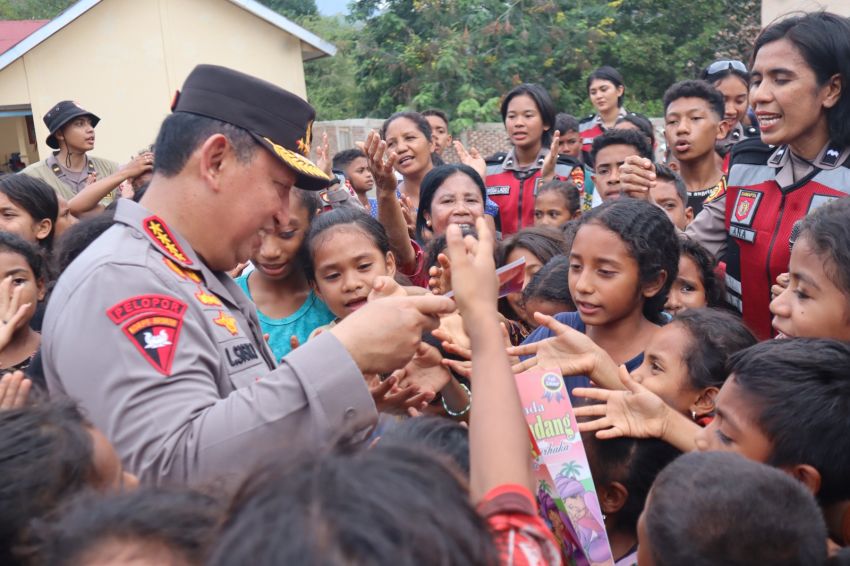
x: 488, y: 138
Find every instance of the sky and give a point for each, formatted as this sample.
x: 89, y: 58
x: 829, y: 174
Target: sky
x: 331, y: 7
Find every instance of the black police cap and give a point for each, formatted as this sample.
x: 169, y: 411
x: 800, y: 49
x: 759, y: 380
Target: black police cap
x: 280, y: 121
x: 62, y: 113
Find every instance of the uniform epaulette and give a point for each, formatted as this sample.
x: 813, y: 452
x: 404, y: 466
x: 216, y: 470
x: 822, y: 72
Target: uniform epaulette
x: 496, y: 158
x: 568, y: 160
x: 752, y: 151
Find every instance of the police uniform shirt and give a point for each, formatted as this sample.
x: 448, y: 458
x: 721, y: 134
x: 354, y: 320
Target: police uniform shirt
x: 167, y: 358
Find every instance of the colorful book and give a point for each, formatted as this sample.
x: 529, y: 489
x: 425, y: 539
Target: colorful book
x: 566, y: 493
x: 511, y: 278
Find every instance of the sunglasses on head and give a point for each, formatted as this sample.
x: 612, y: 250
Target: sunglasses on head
x: 726, y: 65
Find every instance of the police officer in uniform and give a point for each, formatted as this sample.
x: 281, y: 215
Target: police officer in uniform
x: 163, y: 350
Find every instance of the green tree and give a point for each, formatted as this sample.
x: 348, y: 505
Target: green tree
x: 32, y: 9
x: 293, y: 9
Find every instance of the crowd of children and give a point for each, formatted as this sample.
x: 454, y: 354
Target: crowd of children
x: 696, y: 306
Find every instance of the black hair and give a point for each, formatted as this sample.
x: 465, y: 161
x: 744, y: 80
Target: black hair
x: 180, y: 520
x: 827, y: 231
x: 182, y: 133
x: 14, y: 244
x: 46, y: 455
x: 729, y: 71
x: 566, y: 123
x: 696, y: 89
x: 421, y: 123
x: 614, y: 136
x: 632, y: 462
x: 309, y: 200
x: 610, y: 74
x: 715, y: 287
x: 544, y: 243
x: 344, y: 158
x: 550, y: 283
x: 641, y: 122
x: 665, y: 173
x: 543, y: 102
x: 567, y: 190
x: 757, y: 514
x: 78, y: 237
x: 714, y: 336
x: 823, y: 39
x: 433, y: 180
x: 438, y: 113
x: 390, y: 505
x: 438, y: 434
x: 355, y: 218
x: 651, y: 239
x: 570, y: 229
x: 800, y: 395
x: 438, y: 245
x: 36, y: 197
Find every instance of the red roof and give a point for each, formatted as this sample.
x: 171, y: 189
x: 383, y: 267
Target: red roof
x: 13, y: 31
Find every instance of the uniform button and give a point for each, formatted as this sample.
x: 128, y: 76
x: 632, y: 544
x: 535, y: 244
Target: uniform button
x: 350, y: 413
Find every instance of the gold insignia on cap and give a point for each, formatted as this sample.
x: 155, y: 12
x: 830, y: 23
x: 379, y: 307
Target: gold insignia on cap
x: 305, y: 142
x: 297, y: 161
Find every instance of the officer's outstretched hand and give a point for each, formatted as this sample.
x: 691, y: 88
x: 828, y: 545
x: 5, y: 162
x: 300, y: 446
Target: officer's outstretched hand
x: 384, y: 334
x: 637, y: 176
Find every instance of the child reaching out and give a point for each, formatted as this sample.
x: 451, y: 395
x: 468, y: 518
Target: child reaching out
x: 23, y: 285
x: 349, y: 262
x: 288, y: 308
x: 622, y: 263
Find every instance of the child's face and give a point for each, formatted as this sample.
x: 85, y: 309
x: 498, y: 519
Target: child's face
x: 414, y: 151
x: 275, y: 259
x: 15, y: 266
x: 665, y: 196
x: 359, y: 176
x: 664, y: 370
x: 439, y: 133
x: 523, y: 122
x: 688, y: 291
x: 812, y: 306
x: 346, y: 262
x: 457, y: 201
x: 570, y: 144
x: 734, y: 428
x: 604, y: 279
x: 551, y: 210
x: 609, y: 159
x: 532, y: 266
x: 17, y: 220
x: 691, y: 128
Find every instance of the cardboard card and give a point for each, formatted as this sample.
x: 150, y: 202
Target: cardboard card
x: 566, y: 493
x: 511, y: 278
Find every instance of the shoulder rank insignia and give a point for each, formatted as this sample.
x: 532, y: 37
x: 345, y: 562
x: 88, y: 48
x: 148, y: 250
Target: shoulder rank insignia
x: 207, y: 299
x: 162, y: 237
x: 227, y: 322
x: 719, y: 191
x: 152, y: 323
x: 181, y: 272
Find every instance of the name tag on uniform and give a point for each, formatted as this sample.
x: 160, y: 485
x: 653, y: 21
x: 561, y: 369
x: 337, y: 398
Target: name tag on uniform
x: 239, y: 354
x: 498, y: 190
x: 742, y: 233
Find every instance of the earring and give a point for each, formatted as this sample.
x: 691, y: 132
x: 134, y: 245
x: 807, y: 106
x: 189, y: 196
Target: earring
x: 428, y: 223
x: 694, y: 416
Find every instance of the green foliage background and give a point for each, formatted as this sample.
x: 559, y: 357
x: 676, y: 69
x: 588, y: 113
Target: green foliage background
x: 463, y: 55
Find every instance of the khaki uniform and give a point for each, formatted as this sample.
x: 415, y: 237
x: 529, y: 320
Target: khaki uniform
x: 167, y: 359
x: 48, y: 171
